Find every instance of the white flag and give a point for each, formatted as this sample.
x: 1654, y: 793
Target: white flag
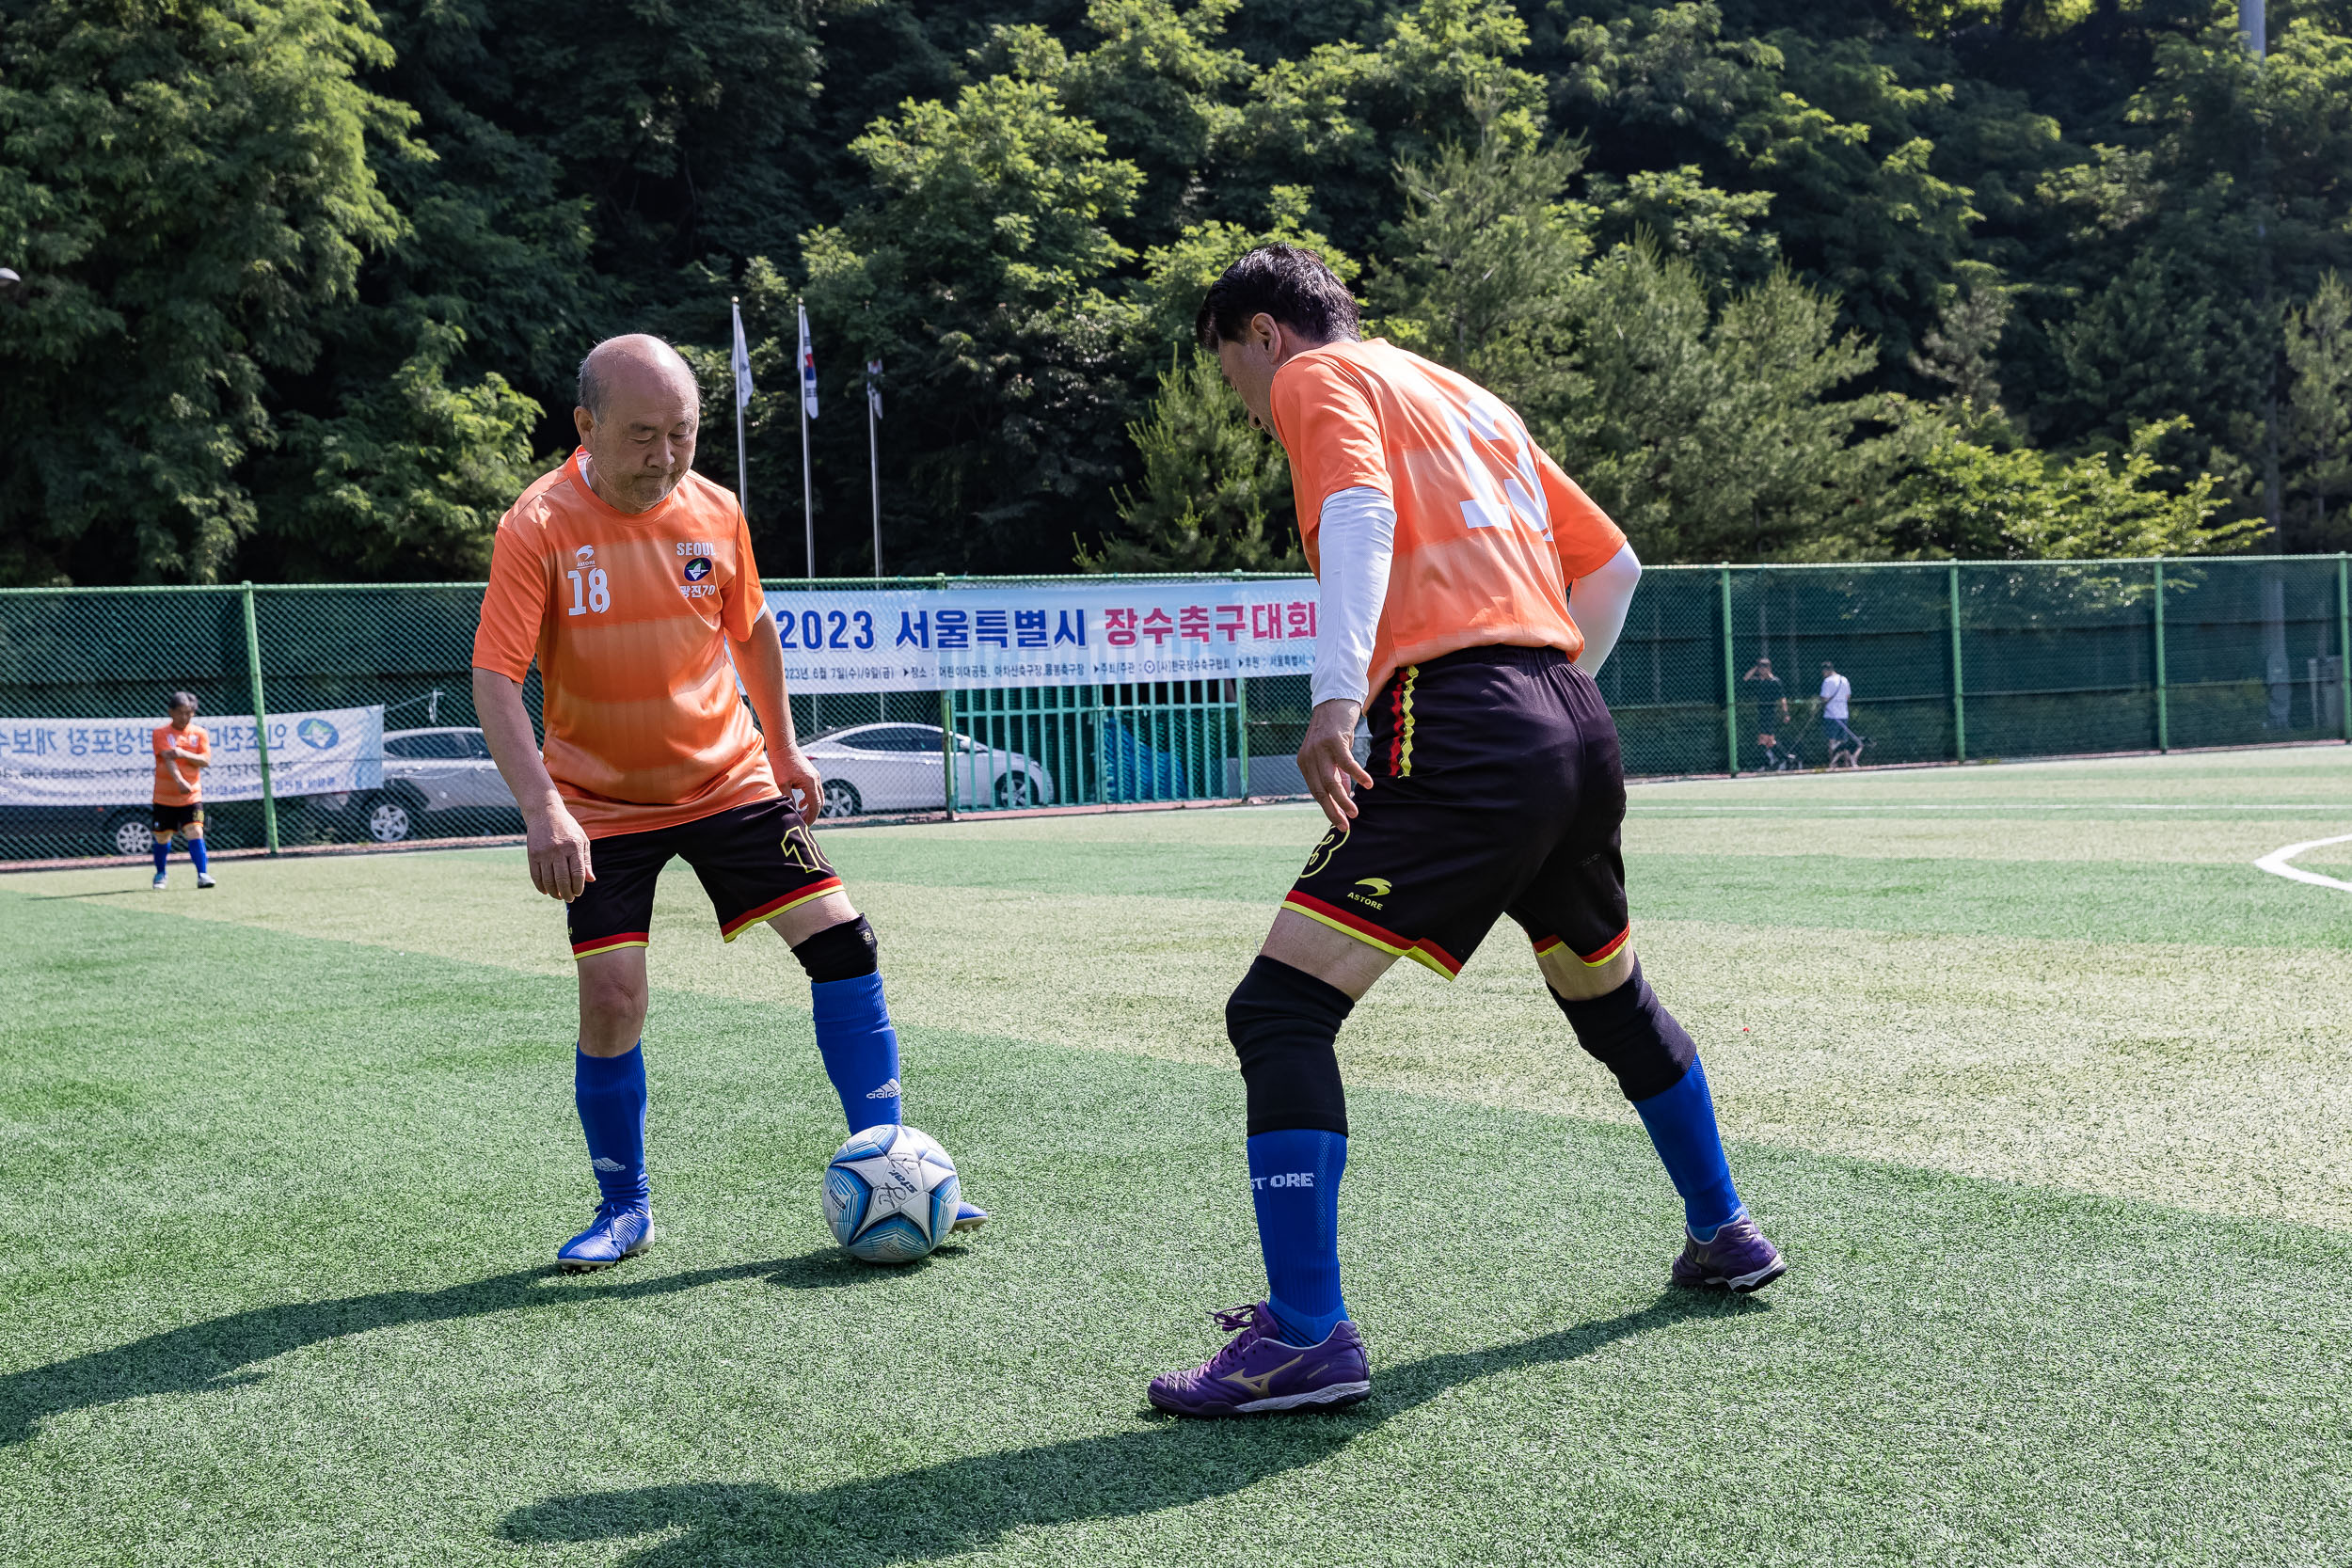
x: 741, y: 364
x: 873, y: 387
x: 808, y: 369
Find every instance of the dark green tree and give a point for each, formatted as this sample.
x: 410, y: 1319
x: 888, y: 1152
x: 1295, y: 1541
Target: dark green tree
x: 189, y: 191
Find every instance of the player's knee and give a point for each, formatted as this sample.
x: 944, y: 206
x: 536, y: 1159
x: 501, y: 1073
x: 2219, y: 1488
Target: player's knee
x: 843, y: 952
x: 1283, y: 1023
x: 612, y: 1001
x: 1629, y: 1031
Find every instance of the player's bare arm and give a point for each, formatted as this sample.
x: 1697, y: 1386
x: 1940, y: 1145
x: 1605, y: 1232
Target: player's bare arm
x: 560, y: 862
x: 760, y: 660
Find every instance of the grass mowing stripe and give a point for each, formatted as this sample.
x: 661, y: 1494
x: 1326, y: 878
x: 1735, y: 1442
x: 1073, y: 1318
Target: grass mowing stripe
x: 2098, y: 1067
x: 347, y: 1352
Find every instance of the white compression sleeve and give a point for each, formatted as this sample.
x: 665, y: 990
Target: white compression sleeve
x: 1599, y: 601
x: 1357, y: 542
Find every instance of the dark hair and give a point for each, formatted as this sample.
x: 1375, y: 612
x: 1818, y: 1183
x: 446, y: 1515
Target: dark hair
x: 183, y: 699
x: 1288, y: 282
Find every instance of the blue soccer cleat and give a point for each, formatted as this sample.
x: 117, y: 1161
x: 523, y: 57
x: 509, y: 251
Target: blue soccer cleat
x: 619, y: 1231
x: 969, y: 1217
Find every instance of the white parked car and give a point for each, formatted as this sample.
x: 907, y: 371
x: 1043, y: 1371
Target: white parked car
x: 891, y: 767
x: 447, y: 768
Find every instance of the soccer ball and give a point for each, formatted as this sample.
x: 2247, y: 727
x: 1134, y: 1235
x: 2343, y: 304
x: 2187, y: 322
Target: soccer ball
x: 891, y: 1193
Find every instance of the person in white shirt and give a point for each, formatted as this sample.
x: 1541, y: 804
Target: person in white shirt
x: 1837, y: 705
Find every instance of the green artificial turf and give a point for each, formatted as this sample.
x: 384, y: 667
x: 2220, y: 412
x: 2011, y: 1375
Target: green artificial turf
x: 280, y: 1181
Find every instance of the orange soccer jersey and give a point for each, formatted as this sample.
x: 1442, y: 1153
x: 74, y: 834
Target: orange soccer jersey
x: 1489, y: 532
x: 177, y: 783
x: 628, y: 615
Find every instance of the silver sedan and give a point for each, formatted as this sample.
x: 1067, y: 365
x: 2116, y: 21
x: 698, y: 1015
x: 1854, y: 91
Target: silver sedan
x: 893, y: 767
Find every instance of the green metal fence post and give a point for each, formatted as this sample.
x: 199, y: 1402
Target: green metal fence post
x: 2164, y: 714
x: 2343, y: 640
x: 948, y: 750
x: 1731, y: 681
x: 1960, y: 701
x: 1241, y: 730
x: 261, y: 720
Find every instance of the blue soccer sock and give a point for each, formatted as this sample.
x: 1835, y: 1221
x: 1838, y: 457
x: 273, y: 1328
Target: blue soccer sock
x: 859, y: 1045
x: 610, y: 1092
x: 196, y: 853
x: 1294, y: 1183
x: 1681, y: 1123
x: 163, y: 855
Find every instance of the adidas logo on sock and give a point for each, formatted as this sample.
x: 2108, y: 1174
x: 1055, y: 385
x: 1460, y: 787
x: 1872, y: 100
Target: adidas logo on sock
x: 888, y: 1091
x: 607, y: 1164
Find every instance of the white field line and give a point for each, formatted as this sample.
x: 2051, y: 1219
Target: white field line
x: 1731, y: 808
x: 2275, y: 863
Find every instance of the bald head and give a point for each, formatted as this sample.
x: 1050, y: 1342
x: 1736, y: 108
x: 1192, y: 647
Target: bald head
x: 638, y: 416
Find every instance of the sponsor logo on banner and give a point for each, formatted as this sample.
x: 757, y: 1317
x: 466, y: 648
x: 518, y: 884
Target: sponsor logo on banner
x: 317, y: 734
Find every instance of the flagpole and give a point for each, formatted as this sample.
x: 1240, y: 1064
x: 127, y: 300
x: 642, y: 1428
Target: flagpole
x: 873, y: 464
x: 742, y: 461
x: 808, y: 486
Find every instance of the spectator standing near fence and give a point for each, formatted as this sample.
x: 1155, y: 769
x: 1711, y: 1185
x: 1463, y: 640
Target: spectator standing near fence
x: 182, y: 752
x: 628, y: 578
x: 1772, y: 707
x: 1836, y: 701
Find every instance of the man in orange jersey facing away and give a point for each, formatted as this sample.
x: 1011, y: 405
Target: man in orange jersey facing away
x: 628, y: 576
x: 1447, y: 545
x: 182, y: 752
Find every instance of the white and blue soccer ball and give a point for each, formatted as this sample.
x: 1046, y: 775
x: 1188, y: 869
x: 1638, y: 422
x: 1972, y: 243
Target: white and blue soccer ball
x: 891, y: 1193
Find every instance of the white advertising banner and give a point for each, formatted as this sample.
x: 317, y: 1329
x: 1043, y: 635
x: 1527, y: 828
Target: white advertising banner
x: 85, y: 762
x: 1052, y: 634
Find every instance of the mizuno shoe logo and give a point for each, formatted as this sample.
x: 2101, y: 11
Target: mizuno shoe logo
x: 607, y: 1164
x: 888, y: 1091
x: 1258, y: 1385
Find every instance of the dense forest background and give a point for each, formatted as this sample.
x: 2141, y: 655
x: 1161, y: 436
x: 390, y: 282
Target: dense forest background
x: 305, y: 283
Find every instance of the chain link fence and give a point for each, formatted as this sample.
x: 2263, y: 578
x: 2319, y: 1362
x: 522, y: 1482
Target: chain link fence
x: 345, y: 714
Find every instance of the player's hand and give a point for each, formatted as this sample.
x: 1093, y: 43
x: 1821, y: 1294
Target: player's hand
x: 793, y: 770
x: 560, y: 865
x: 1327, y: 759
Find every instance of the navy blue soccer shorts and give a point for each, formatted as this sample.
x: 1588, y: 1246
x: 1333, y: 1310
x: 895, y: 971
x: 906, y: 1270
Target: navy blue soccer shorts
x: 756, y: 861
x: 1500, y: 790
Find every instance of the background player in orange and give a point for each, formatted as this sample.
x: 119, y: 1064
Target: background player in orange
x: 1447, y: 545
x: 628, y: 578
x: 182, y: 752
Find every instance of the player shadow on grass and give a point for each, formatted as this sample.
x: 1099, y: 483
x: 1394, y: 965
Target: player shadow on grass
x: 966, y: 1504
x: 213, y: 1355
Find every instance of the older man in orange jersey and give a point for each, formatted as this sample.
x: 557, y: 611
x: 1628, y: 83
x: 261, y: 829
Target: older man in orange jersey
x: 628, y: 578
x: 1447, y: 545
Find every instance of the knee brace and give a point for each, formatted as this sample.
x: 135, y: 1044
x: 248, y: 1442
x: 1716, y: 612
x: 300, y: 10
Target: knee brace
x: 842, y: 952
x: 1628, y: 1033
x: 1283, y: 1023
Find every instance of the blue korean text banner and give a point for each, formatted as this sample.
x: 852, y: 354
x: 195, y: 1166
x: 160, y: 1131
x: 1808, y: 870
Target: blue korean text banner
x: 1050, y: 634
x: 81, y: 762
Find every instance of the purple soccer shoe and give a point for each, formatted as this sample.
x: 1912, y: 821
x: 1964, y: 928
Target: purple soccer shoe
x: 1257, y: 1373
x: 1738, y: 1258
